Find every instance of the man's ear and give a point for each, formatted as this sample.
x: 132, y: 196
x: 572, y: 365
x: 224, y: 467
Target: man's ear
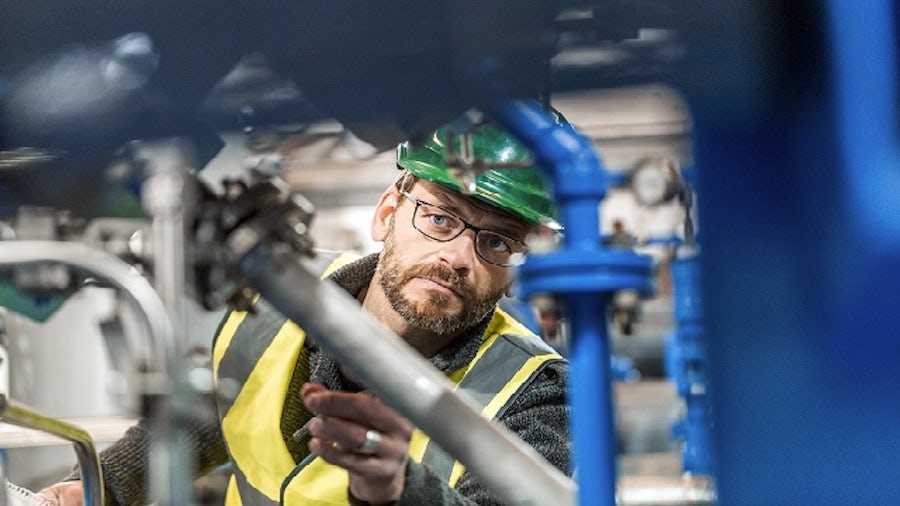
x: 384, y: 212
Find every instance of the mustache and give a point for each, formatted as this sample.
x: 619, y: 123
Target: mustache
x: 443, y: 273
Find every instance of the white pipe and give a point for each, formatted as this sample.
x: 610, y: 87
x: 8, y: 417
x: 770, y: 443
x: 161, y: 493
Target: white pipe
x: 163, y: 195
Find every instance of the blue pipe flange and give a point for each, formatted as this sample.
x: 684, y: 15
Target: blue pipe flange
x: 585, y: 272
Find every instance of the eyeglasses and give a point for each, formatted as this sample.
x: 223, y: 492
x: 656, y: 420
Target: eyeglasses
x: 439, y: 224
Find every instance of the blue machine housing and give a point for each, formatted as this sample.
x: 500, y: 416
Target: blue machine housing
x: 797, y: 156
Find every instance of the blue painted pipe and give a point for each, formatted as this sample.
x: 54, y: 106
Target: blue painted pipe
x: 866, y: 104
x: 688, y: 365
x: 583, y: 274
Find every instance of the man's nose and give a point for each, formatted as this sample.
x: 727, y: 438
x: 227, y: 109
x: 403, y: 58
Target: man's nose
x: 459, y: 252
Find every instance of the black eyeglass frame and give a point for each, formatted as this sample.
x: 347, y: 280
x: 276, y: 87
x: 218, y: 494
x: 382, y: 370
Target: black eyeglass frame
x: 466, y: 226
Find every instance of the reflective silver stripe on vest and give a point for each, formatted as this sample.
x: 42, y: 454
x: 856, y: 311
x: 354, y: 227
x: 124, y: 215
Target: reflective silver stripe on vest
x: 490, y: 374
x: 250, y: 496
x: 251, y: 339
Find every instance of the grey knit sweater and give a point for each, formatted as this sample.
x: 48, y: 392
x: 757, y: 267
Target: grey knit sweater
x: 539, y: 416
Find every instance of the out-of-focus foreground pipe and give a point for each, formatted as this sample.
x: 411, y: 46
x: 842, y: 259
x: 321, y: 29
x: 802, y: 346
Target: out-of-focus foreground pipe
x: 88, y: 460
x: 866, y: 122
x: 399, y: 375
x: 166, y: 195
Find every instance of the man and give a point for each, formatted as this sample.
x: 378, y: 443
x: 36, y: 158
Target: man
x: 300, y: 431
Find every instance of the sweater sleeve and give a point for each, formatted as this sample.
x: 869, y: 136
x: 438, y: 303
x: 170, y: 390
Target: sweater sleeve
x: 539, y: 416
x: 125, y: 463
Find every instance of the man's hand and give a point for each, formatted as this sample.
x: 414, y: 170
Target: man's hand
x: 66, y: 493
x: 339, y: 431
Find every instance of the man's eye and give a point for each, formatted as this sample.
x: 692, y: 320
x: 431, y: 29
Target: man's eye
x: 438, y: 219
x: 496, y: 243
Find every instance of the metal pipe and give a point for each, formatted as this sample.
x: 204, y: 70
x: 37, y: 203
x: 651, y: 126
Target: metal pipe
x: 590, y: 383
x: 164, y: 194
x: 691, y: 362
x: 507, y: 466
x: 88, y: 460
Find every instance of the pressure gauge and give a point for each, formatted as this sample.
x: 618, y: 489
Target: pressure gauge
x: 655, y: 180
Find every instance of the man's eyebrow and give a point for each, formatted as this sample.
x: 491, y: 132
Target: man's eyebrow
x: 451, y: 207
x: 515, y: 231
x: 500, y: 223
x: 507, y: 226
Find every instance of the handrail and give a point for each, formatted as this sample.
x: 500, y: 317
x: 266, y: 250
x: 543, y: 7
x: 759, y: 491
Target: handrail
x: 88, y: 460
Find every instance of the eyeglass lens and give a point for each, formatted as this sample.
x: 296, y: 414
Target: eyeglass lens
x: 440, y: 225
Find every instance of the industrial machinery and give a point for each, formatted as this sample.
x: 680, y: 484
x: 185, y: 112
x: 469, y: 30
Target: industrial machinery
x: 796, y: 139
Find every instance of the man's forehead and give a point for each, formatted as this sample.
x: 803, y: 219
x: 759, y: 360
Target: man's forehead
x: 467, y: 204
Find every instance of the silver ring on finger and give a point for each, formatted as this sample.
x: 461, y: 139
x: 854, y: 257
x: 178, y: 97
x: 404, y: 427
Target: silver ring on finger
x: 371, y: 443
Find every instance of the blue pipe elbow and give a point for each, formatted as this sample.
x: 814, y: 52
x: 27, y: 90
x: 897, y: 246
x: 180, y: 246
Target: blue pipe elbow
x: 583, y: 273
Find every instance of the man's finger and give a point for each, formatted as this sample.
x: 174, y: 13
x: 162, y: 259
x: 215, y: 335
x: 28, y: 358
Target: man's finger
x: 366, y: 410
x: 370, y: 466
x: 351, y: 436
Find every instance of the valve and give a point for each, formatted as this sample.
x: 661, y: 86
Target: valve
x: 230, y: 225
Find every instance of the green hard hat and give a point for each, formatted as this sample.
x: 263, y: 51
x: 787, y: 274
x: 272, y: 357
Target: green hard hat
x: 522, y: 191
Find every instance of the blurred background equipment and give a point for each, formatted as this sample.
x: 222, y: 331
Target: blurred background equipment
x: 173, y: 139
